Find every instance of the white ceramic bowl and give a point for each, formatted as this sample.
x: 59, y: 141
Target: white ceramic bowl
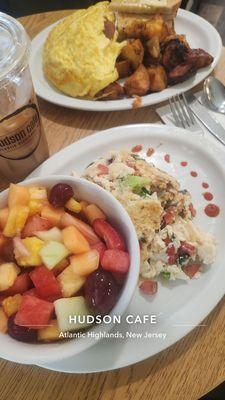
x: 27, y: 353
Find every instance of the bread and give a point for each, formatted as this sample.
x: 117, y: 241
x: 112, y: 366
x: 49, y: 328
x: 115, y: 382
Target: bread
x: 169, y: 7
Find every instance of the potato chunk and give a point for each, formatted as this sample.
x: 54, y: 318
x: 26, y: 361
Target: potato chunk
x: 113, y: 91
x: 138, y: 83
x: 123, y: 68
x: 133, y: 52
x: 158, y: 78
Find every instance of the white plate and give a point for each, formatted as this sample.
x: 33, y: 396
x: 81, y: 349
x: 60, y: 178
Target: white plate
x: 199, y: 33
x: 179, y: 306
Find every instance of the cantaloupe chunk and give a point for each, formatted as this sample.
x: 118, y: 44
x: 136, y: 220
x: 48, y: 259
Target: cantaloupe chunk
x: 93, y: 212
x: 3, y: 321
x: 16, y: 220
x: 52, y: 214
x: 84, y: 264
x: 74, y: 241
x: 50, y: 333
x: 18, y: 195
x: 70, y: 282
x: 4, y: 213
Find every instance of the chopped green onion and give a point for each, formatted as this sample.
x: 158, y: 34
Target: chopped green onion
x: 165, y: 275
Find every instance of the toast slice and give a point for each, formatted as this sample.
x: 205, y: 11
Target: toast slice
x: 146, y: 6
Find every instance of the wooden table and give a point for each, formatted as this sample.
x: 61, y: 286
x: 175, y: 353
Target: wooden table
x: 187, y: 370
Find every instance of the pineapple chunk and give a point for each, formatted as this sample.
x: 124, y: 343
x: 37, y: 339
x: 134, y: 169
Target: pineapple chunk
x: 11, y: 304
x: 3, y: 321
x: 38, y: 199
x: 16, y: 220
x: 4, y: 213
x: 70, y: 282
x: 70, y: 307
x: 33, y: 246
x: 8, y: 274
x: 52, y: 253
x: 49, y: 333
x: 53, y: 234
x: 73, y: 205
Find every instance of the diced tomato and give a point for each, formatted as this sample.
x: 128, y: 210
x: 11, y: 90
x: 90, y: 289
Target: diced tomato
x: 46, y: 283
x: 149, y: 287
x: 35, y: 223
x: 102, y: 169
x: 172, y: 256
x: 192, y: 210
x: 34, y: 313
x: 85, y: 229
x: 169, y: 216
x: 116, y: 261
x: 187, y: 248
x: 101, y: 248
x: 191, y: 269
x: 167, y: 241
x: 136, y: 148
x: 111, y: 237
x: 21, y: 285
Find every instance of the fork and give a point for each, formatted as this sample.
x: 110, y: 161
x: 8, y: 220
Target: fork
x: 181, y: 112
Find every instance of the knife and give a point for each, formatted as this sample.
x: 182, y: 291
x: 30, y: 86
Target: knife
x: 203, y: 115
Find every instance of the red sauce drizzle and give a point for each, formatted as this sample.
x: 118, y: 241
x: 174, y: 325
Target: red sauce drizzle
x: 150, y: 151
x: 183, y: 163
x: 136, y: 148
x: 167, y: 158
x: 212, y: 210
x: 192, y: 210
x: 194, y: 174
x: 205, y: 185
x: 208, y: 196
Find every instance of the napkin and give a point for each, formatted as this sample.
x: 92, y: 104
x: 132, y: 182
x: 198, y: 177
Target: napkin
x: 165, y: 114
x: 167, y: 117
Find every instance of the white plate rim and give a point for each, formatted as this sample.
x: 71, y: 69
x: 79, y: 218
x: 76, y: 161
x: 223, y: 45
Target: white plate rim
x: 215, y: 152
x: 56, y: 97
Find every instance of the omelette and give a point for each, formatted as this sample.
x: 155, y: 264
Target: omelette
x: 78, y: 58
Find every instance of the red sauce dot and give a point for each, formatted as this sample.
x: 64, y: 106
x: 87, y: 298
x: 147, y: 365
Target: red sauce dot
x: 136, y: 148
x: 194, y: 174
x: 205, y: 185
x: 150, y: 151
x: 212, y: 210
x: 208, y: 196
x: 183, y: 163
x: 192, y: 210
x: 167, y: 158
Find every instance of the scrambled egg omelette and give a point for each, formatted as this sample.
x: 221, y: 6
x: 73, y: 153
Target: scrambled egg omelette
x: 172, y: 246
x: 78, y: 58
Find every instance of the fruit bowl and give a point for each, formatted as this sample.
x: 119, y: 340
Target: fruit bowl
x: 34, y: 353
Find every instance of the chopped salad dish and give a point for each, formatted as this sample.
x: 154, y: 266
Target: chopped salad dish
x: 59, y: 256
x: 172, y: 246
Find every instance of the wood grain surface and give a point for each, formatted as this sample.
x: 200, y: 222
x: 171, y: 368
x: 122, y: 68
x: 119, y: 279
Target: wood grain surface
x: 188, y: 369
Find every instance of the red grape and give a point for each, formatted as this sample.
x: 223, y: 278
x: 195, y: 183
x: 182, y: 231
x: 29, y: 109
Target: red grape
x: 21, y: 333
x: 101, y: 291
x: 60, y: 194
x: 7, y: 251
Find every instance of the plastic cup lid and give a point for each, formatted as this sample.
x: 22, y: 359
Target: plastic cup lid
x: 14, y: 44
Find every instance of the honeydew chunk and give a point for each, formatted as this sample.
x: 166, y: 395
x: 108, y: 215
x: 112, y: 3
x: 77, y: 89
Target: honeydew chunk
x: 53, y: 234
x: 69, y: 308
x: 52, y: 253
